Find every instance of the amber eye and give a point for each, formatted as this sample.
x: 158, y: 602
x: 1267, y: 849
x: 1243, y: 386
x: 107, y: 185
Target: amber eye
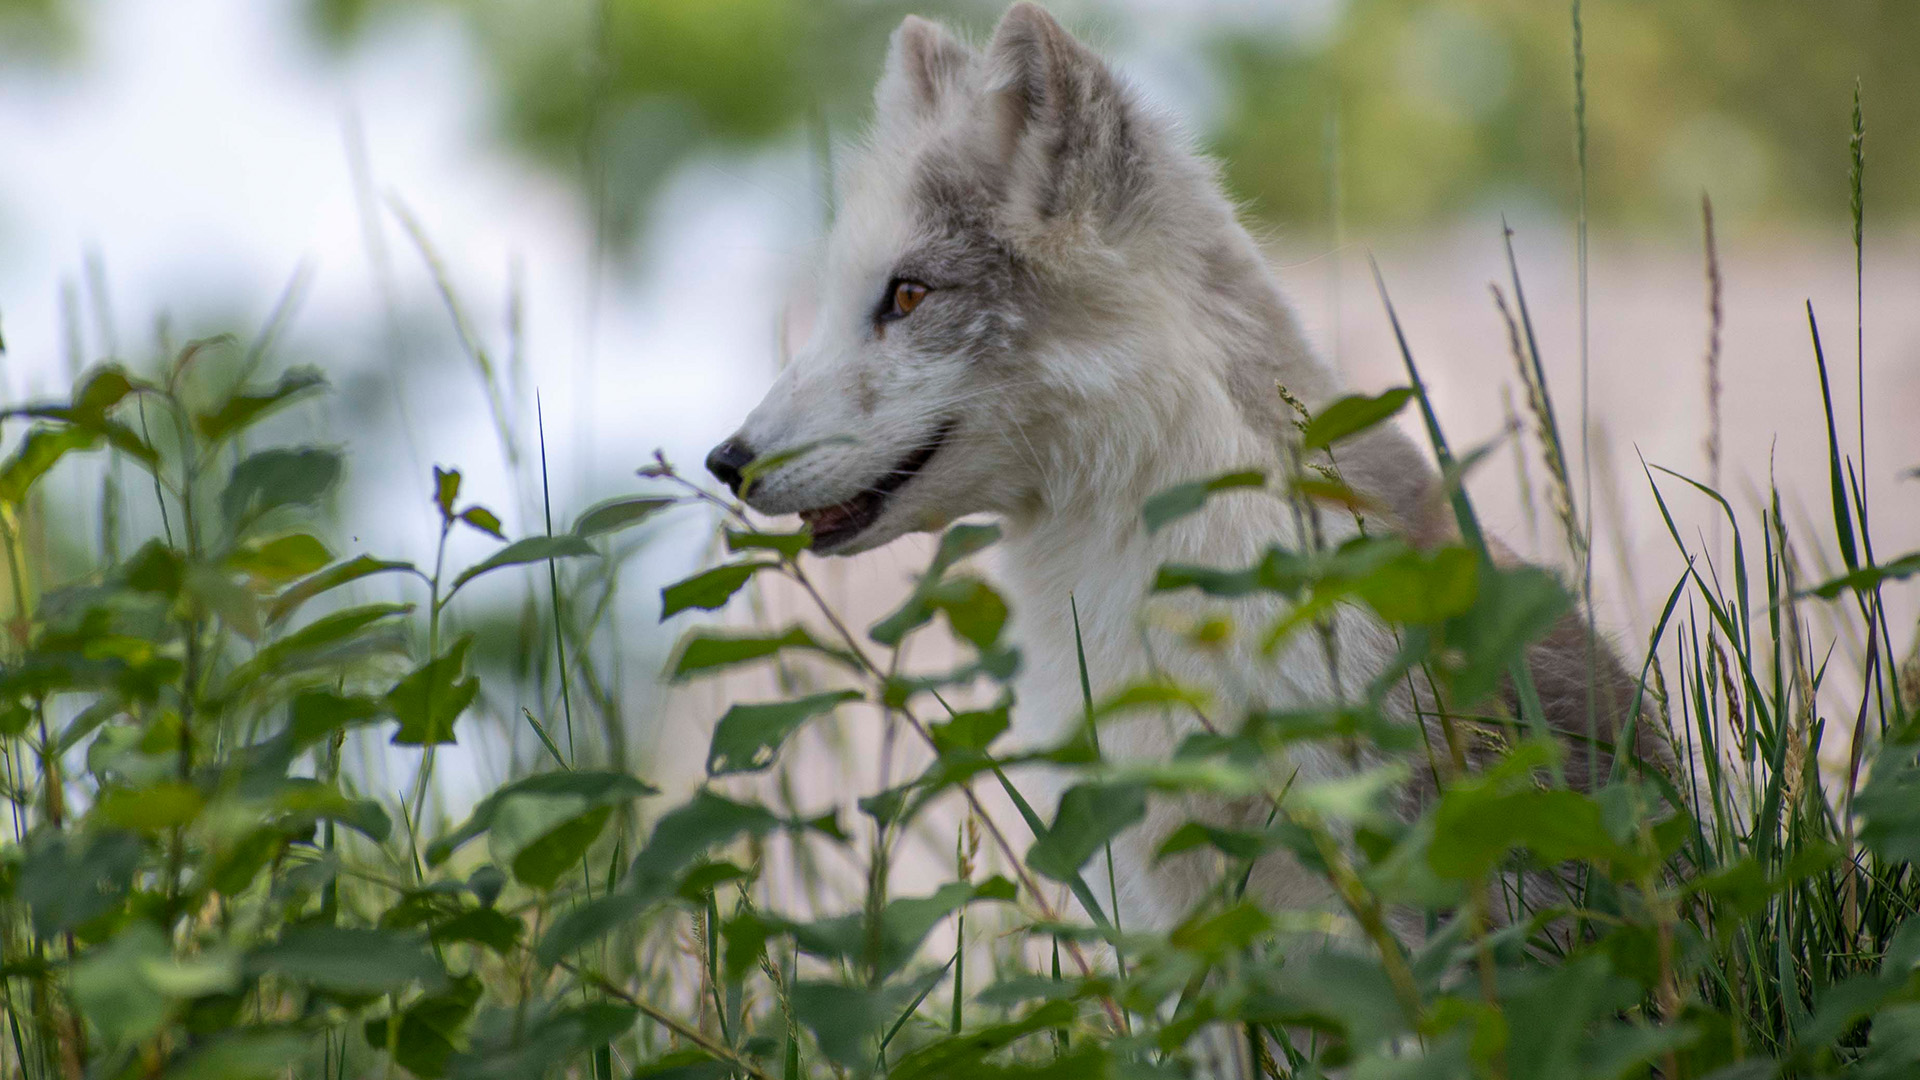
x: 903, y: 295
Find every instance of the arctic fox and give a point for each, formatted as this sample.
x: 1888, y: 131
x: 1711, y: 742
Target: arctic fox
x: 1039, y: 305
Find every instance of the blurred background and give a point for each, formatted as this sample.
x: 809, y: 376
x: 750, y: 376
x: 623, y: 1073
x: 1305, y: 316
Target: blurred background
x: 613, y: 206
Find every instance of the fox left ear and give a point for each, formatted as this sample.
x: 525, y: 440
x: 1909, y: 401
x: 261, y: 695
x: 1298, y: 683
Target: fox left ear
x: 1060, y: 117
x: 925, y: 64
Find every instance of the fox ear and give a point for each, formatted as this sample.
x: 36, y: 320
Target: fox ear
x: 925, y: 64
x: 1060, y: 116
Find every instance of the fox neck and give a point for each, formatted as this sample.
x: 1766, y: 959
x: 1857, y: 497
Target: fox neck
x: 1198, y: 399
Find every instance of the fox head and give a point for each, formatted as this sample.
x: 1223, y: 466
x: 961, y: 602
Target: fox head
x: 1003, y: 231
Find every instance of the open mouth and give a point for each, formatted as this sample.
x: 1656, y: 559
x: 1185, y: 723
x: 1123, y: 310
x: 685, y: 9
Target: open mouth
x: 835, y: 526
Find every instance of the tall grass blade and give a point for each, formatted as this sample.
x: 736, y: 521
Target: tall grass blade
x: 1093, y: 733
x: 553, y: 587
x: 1842, y: 513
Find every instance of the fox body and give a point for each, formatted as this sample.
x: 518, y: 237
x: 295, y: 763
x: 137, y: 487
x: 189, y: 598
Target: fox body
x: 1038, y: 304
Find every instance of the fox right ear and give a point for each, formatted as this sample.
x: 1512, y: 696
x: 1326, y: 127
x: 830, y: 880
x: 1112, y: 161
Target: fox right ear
x: 925, y: 64
x: 1061, y: 119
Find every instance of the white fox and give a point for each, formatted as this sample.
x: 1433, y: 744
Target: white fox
x: 1039, y: 305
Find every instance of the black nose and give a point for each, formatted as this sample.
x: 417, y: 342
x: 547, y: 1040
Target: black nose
x: 726, y: 461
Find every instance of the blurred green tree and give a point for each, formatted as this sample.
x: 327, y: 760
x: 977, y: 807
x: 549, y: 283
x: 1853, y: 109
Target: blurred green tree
x: 1431, y: 108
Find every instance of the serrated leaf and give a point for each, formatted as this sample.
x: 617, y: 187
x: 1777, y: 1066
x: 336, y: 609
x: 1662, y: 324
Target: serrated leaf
x: 749, y: 736
x: 243, y: 409
x: 528, y: 550
x: 708, y: 590
x: 614, y: 515
x: 432, y: 697
x: 1351, y: 415
x: 1182, y: 499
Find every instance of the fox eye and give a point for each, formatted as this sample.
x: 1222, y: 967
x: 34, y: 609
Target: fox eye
x: 903, y: 295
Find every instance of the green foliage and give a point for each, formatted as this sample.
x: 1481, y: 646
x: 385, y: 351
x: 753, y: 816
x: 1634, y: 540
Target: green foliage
x: 211, y: 874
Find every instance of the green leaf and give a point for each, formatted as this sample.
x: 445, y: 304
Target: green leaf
x: 1514, y: 607
x: 904, y: 924
x: 583, y: 924
x: 766, y: 463
x: 1865, y: 578
x: 349, y: 960
x: 1889, y: 804
x: 540, y: 857
x: 689, y: 831
x: 965, y: 1055
x: 749, y: 736
x: 312, y: 800
x: 1351, y: 415
x: 845, y: 1019
x: 1215, y: 934
x: 788, y: 544
x: 708, y: 590
x: 100, y: 390
x: 281, y: 559
x: 331, y: 578
x: 481, y: 926
x: 705, y: 650
x: 430, y: 1029
x: 243, y: 409
x: 588, y: 788
x: 1090, y: 815
x: 323, y: 638
x: 248, y: 1054
x: 1420, y: 587
x: 279, y: 477
x: 482, y: 519
x: 974, y: 610
x: 37, y: 453
x: 446, y: 488
x: 970, y: 733
x: 150, y: 808
x: 428, y: 701
x: 1476, y: 825
x: 617, y: 514
x: 561, y: 1035
x: 1182, y: 499
x: 528, y: 550
x: 109, y: 987
x: 66, y: 881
